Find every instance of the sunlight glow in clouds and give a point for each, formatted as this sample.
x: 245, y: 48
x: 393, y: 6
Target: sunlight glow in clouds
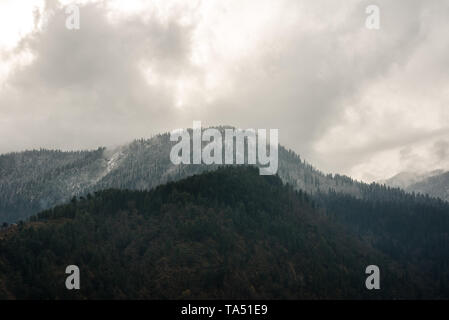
x: 17, y: 20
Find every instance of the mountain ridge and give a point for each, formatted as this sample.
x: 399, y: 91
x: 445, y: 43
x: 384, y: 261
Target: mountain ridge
x: 434, y: 183
x: 32, y: 181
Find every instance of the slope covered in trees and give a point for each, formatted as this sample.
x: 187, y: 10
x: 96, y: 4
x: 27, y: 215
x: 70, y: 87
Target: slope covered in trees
x: 437, y: 186
x: 229, y: 234
x: 32, y: 181
x: 35, y: 180
x: 410, y: 229
x: 434, y: 183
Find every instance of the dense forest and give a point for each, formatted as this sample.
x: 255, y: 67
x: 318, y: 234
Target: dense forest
x: 408, y: 228
x: 229, y: 234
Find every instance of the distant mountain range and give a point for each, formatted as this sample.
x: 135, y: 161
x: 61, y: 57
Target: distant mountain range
x: 434, y: 183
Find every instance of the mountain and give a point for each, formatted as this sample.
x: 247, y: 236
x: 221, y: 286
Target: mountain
x: 434, y: 183
x: 436, y: 186
x: 409, y: 230
x: 32, y: 181
x: 407, y: 178
x: 231, y: 233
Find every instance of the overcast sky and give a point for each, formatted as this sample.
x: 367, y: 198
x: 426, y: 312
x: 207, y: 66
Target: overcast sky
x: 367, y: 103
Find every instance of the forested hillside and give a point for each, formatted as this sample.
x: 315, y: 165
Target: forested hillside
x: 437, y: 186
x: 32, y: 181
x: 229, y: 234
x: 35, y: 180
x: 410, y: 229
x: 434, y: 183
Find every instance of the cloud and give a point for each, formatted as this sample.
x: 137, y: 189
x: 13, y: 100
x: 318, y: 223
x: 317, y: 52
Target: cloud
x: 441, y: 150
x: 343, y: 96
x: 88, y: 87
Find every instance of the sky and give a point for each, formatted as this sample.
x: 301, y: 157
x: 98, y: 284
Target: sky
x: 349, y: 99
